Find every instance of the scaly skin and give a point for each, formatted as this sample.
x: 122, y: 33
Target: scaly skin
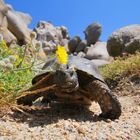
x: 109, y: 104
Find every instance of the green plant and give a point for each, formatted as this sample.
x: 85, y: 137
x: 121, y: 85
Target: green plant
x: 18, y: 65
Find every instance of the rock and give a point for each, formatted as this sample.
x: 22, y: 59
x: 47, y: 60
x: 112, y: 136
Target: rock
x: 17, y: 23
x: 7, y: 35
x: 25, y: 17
x: 46, y: 31
x: 92, y: 33
x: 48, y: 47
x: 1, y: 4
x: 73, y: 43
x: 41, y: 31
x: 1, y: 37
x: 64, y: 43
x: 64, y: 31
x: 97, y: 51
x: 41, y: 53
x: 51, y: 36
x: 81, y: 54
x: 124, y: 40
x: 82, y: 45
x: 99, y: 62
x: 81, y: 130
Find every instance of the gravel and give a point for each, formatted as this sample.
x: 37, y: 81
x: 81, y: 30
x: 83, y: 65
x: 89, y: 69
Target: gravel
x: 69, y: 123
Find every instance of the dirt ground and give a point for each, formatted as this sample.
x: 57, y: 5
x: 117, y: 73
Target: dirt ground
x: 75, y: 123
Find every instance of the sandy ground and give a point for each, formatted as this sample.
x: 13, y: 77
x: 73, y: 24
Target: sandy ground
x: 73, y: 123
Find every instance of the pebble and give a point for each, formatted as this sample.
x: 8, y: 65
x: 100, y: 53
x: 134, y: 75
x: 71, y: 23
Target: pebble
x: 79, y: 128
x: 108, y: 120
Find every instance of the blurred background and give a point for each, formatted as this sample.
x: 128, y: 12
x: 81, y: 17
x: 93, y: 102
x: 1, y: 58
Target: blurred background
x: 77, y: 14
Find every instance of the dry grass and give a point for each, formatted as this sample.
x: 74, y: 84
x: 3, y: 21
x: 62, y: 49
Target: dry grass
x: 130, y: 64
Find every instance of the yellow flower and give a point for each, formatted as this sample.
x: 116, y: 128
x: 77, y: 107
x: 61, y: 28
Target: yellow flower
x: 62, y: 55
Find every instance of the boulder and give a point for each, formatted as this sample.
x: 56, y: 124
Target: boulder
x: 100, y: 62
x: 64, y: 31
x: 73, y: 43
x: 49, y: 47
x: 1, y: 37
x: 124, y: 40
x: 17, y: 23
x: 46, y: 31
x: 81, y: 54
x: 1, y: 4
x: 82, y: 45
x: 64, y: 43
x: 97, y: 51
x: 41, y: 31
x: 7, y: 35
x: 51, y: 36
x: 92, y: 33
x: 18, y: 27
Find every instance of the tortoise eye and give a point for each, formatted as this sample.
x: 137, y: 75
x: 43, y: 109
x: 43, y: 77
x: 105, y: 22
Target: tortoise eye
x: 71, y: 73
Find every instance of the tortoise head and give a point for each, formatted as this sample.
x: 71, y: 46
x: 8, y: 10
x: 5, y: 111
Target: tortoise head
x: 66, y: 79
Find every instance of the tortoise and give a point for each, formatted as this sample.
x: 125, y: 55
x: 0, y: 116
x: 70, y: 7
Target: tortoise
x: 79, y: 82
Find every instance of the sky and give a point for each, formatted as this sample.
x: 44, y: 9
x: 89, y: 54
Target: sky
x: 76, y: 15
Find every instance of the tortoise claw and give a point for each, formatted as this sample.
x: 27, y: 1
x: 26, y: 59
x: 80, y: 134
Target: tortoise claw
x: 109, y: 115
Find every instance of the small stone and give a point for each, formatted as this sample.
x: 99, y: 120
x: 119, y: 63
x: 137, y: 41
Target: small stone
x: 108, y: 120
x: 117, y: 120
x: 81, y: 130
x: 75, y: 124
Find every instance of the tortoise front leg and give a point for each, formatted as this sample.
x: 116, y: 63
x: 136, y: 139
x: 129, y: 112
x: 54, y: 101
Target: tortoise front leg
x: 109, y: 104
